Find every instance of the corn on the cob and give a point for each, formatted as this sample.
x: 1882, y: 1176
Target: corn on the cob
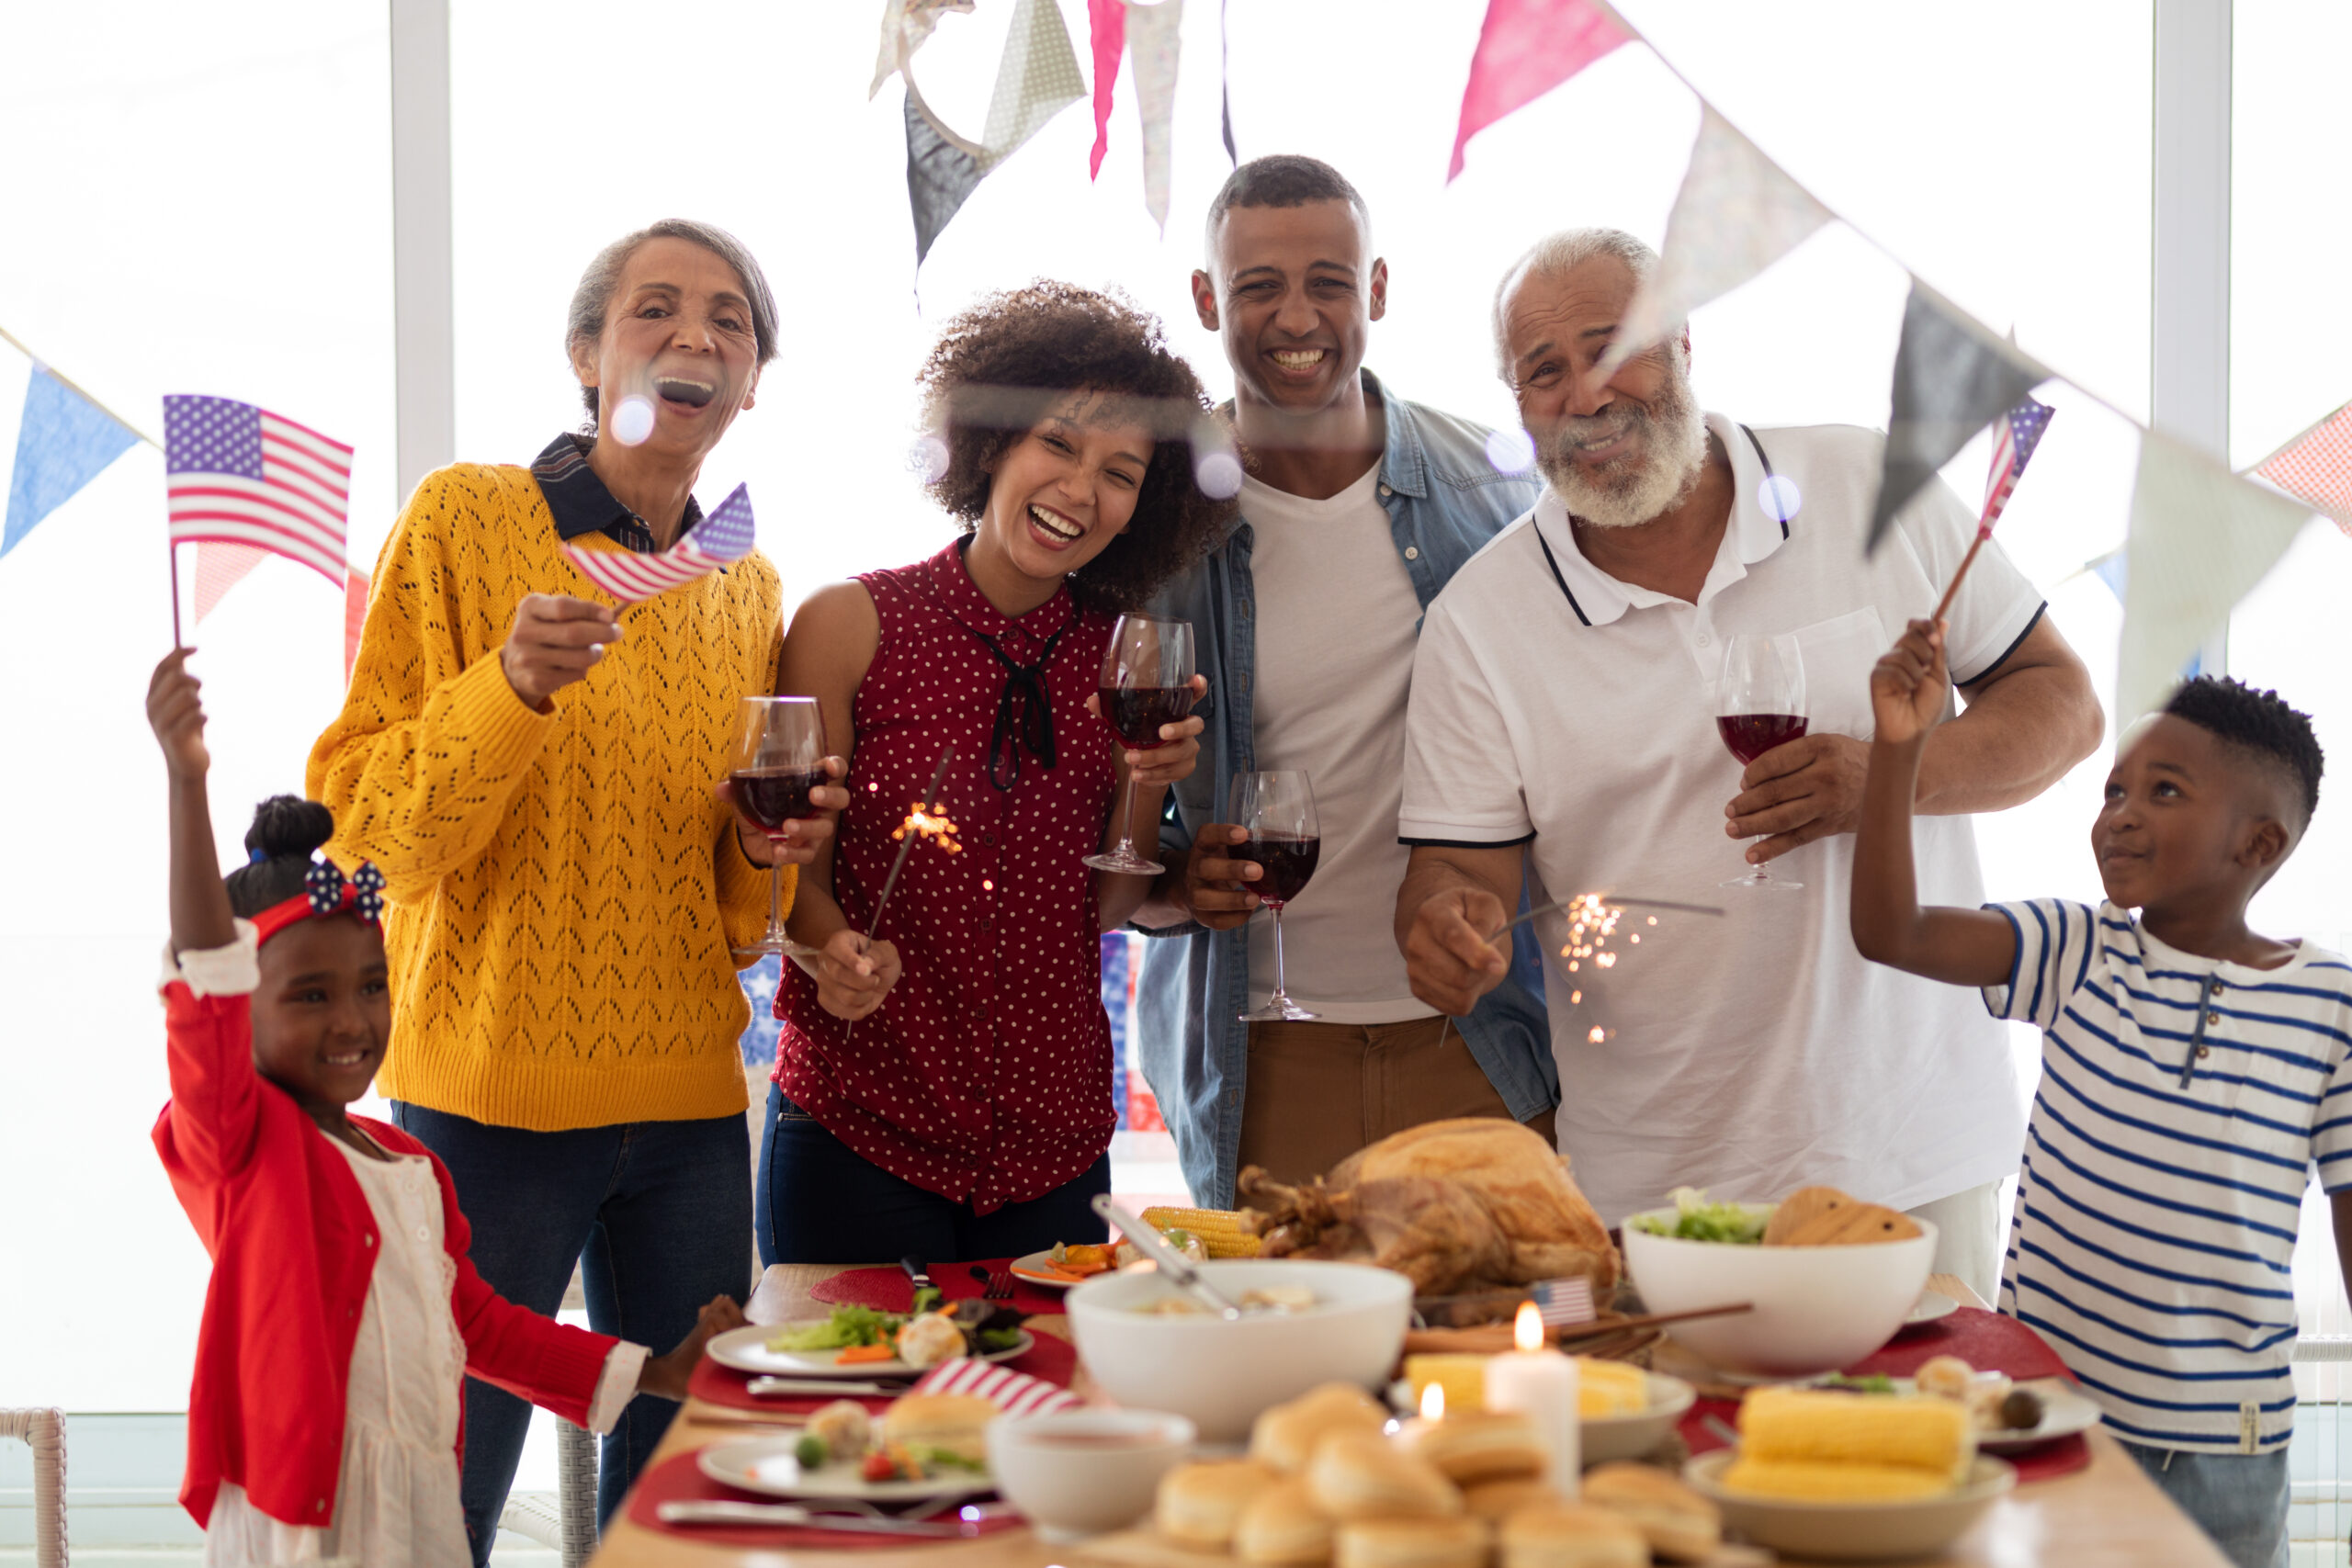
x: 1225, y: 1232
x: 1609, y: 1388
x: 1934, y: 1435
x: 1830, y: 1481
x: 1463, y: 1378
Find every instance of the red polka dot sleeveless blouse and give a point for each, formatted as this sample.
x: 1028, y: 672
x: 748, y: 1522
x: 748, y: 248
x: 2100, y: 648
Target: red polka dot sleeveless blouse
x: 985, y: 1075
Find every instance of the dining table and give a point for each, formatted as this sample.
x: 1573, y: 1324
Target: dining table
x: 2106, y: 1515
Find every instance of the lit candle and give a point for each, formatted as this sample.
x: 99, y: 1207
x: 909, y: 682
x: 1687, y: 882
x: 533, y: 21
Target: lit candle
x: 1542, y: 1383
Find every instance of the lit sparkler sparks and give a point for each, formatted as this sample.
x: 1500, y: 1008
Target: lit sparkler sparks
x: 923, y: 822
x: 929, y: 822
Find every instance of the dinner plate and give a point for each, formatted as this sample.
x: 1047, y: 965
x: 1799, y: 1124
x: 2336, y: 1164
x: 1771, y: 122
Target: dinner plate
x: 1844, y: 1531
x: 746, y: 1350
x: 1931, y: 1305
x: 765, y: 1466
x: 1031, y: 1268
x: 2064, y: 1413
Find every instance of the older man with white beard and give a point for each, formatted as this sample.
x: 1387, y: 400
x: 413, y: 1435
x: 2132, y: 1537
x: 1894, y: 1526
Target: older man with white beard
x: 1563, y: 719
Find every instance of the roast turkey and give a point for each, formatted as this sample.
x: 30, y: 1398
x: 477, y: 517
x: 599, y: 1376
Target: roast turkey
x: 1467, y: 1204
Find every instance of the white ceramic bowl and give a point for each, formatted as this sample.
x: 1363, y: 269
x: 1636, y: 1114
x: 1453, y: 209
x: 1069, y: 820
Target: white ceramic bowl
x: 1637, y: 1435
x: 1222, y: 1374
x: 1080, y: 1472
x: 1921, y: 1527
x: 1818, y: 1309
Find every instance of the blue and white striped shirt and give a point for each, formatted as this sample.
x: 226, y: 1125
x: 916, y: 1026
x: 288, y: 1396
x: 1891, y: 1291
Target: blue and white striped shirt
x: 2183, y: 1103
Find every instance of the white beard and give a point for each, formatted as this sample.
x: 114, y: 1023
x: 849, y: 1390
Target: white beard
x: 1669, y: 455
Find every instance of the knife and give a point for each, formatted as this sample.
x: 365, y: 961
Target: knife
x: 764, y: 1387
x: 916, y: 1271
x: 689, y: 1511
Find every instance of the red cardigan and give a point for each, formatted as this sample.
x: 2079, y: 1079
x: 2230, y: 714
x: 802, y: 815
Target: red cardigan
x: 293, y: 1246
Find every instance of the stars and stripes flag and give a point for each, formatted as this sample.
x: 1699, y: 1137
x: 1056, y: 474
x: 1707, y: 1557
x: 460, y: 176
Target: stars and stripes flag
x: 724, y: 536
x: 1563, y: 1303
x: 2016, y: 434
x: 240, y: 475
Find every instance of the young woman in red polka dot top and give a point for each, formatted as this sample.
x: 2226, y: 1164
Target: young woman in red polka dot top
x: 944, y: 1090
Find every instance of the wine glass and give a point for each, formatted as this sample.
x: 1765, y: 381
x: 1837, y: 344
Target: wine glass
x: 1277, y: 811
x: 779, y: 759
x: 1146, y: 682
x: 1759, y: 704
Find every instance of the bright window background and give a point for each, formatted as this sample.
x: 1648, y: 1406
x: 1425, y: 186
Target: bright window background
x: 1909, y: 120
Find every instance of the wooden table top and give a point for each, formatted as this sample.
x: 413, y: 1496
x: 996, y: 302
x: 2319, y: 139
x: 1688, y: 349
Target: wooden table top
x: 2109, y: 1515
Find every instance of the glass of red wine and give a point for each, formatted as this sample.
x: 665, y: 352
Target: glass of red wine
x: 779, y: 759
x: 1277, y: 811
x: 1759, y: 704
x: 1146, y: 682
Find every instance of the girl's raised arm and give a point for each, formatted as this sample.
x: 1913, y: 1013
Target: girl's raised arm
x: 201, y: 915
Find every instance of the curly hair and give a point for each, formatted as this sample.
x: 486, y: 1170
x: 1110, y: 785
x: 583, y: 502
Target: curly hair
x: 287, y: 830
x: 1002, y: 364
x: 2256, y: 725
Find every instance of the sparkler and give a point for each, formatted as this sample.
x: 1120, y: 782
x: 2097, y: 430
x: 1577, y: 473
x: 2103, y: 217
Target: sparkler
x: 923, y: 822
x: 1593, y: 918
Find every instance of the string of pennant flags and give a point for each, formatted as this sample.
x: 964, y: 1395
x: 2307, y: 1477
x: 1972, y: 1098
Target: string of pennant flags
x: 244, y: 484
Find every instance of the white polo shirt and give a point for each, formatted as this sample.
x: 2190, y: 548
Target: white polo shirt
x: 1556, y: 706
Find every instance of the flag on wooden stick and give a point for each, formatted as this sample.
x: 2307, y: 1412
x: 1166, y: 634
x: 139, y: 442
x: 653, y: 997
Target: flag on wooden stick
x: 720, y: 539
x: 240, y: 475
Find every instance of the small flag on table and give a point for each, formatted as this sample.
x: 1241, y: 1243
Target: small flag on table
x: 241, y: 474
x: 1563, y: 1303
x: 2016, y: 434
x: 720, y: 539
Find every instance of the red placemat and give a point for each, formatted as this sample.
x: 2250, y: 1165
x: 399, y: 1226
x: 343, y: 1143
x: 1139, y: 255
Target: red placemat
x: 1985, y: 1340
x: 890, y: 1290
x: 1052, y: 1357
x: 679, y: 1477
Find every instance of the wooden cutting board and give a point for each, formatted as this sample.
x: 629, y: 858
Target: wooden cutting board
x: 1823, y: 1216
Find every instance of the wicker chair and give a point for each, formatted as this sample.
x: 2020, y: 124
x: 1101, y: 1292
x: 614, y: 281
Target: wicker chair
x: 44, y: 1430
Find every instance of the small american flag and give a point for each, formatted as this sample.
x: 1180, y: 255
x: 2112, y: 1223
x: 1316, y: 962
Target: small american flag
x: 724, y: 536
x: 1563, y: 1303
x: 2015, y: 437
x: 241, y: 474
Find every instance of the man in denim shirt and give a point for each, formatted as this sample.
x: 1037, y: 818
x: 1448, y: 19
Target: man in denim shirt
x: 1358, y: 507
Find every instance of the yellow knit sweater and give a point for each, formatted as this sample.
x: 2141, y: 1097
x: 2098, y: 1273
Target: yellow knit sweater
x: 564, y: 888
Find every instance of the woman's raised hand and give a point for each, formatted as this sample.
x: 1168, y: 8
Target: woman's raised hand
x: 176, y: 715
x: 556, y: 639
x: 853, y: 974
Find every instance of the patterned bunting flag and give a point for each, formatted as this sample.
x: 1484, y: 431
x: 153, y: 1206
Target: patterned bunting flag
x: 2200, y: 538
x: 1953, y: 378
x: 1107, y: 31
x: 1737, y: 214
x: 355, y: 617
x: 906, y: 28
x: 241, y: 474
x: 1153, y: 44
x: 63, y: 442
x: 1526, y: 47
x: 1035, y: 80
x: 220, y: 568
x: 2316, y: 467
x: 726, y: 535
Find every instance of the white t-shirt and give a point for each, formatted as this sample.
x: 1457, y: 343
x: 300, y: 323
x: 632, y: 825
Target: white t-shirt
x: 1758, y: 1052
x: 1335, y: 629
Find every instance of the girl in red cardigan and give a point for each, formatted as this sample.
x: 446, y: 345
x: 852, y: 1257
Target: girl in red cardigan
x: 324, y: 1418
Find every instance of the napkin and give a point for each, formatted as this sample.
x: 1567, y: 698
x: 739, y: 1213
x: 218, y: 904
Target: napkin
x: 1015, y: 1394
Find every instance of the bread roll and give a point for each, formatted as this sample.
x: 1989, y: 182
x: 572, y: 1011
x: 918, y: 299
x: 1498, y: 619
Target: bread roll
x: 1485, y: 1446
x: 1285, y: 1436
x: 1200, y: 1504
x: 1570, y: 1535
x: 1679, y: 1522
x: 1457, y: 1543
x: 949, y: 1421
x: 1495, y: 1501
x: 1143, y: 1549
x: 1282, y: 1525
x: 1359, y: 1475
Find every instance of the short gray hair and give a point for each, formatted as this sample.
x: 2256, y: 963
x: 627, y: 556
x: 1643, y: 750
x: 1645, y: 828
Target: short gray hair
x: 584, y: 323
x: 1564, y: 252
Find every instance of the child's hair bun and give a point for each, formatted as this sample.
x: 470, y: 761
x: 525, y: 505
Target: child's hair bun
x: 288, y: 825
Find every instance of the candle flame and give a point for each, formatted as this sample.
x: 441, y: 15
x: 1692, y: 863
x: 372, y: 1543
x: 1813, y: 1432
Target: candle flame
x: 929, y: 822
x: 1433, y: 1401
x: 1527, y: 1332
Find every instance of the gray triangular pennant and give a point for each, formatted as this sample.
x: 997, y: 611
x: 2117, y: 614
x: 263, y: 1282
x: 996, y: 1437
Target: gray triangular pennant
x: 940, y: 176
x: 1952, y: 380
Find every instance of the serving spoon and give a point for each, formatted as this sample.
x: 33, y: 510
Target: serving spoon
x: 1174, y: 1264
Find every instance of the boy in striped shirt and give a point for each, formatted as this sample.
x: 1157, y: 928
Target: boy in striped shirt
x: 2194, y: 1073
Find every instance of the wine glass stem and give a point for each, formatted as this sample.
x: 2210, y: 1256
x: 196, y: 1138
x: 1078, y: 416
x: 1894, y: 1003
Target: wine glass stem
x: 776, y: 901
x: 1281, y: 993
x: 1756, y: 872
x: 1127, y: 823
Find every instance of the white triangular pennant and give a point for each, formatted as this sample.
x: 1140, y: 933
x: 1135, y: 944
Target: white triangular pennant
x: 1152, y: 45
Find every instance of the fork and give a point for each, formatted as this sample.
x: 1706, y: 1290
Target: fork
x: 999, y: 1288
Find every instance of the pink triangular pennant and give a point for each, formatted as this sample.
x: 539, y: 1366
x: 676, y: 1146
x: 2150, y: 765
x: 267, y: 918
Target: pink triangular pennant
x: 1526, y: 49
x: 354, y: 617
x: 2316, y: 467
x: 1108, y: 23
x: 219, y: 568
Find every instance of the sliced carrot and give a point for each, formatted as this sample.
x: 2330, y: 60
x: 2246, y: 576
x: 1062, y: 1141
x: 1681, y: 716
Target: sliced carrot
x: 857, y: 1353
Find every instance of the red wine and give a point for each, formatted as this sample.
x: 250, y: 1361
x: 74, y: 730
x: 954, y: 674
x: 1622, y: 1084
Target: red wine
x: 1751, y: 735
x: 1284, y: 864
x: 771, y: 799
x: 1135, y: 713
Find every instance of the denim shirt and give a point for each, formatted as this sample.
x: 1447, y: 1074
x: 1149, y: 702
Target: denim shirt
x: 1444, y: 501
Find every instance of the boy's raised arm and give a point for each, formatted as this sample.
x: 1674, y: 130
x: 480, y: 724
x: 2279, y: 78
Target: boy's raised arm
x: 1961, y: 947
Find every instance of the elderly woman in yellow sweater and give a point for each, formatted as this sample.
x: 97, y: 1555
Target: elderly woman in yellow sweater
x: 535, y: 777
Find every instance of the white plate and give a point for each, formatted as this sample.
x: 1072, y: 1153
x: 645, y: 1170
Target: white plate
x: 1917, y: 1527
x: 2063, y: 1414
x: 1931, y: 1305
x: 1027, y: 1268
x: 1637, y: 1433
x: 746, y: 1350
x: 765, y: 1466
